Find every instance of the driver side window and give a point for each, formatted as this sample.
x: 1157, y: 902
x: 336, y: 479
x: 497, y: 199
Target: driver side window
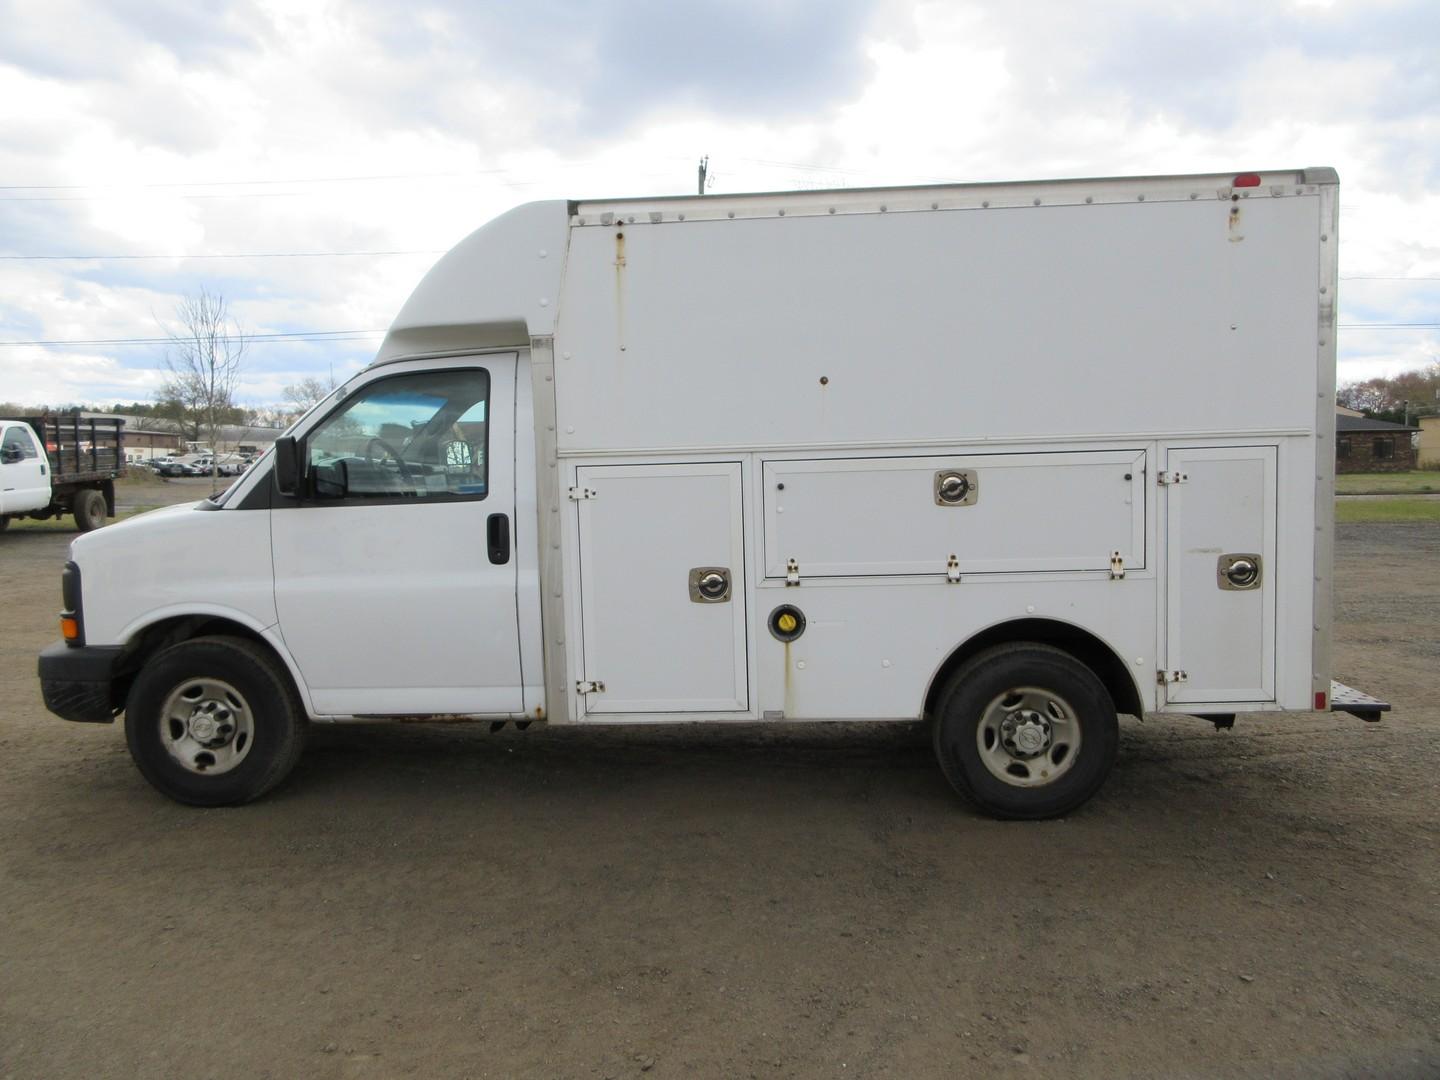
x: 411, y: 436
x: 17, y: 445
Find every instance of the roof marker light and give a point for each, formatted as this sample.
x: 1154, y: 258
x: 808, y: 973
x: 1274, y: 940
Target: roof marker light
x: 1246, y: 179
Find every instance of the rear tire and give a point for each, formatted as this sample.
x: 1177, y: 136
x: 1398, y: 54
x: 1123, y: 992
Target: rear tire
x: 89, y: 508
x: 1025, y: 731
x: 4, y: 522
x: 214, y: 721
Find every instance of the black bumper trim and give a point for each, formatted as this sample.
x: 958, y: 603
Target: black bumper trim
x: 76, y: 682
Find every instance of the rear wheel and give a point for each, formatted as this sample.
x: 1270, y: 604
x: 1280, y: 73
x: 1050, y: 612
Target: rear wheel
x: 4, y: 522
x: 89, y: 507
x: 214, y: 722
x: 1025, y: 731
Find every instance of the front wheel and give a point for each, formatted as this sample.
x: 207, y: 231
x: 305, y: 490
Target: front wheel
x: 89, y: 507
x: 214, y: 722
x: 1025, y: 731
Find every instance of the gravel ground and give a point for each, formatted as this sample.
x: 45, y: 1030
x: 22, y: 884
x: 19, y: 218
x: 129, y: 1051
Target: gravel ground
x: 437, y: 901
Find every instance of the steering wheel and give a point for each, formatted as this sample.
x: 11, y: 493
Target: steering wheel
x: 370, y: 460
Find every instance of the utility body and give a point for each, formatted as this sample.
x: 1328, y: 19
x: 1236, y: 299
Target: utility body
x: 51, y: 466
x: 1011, y: 458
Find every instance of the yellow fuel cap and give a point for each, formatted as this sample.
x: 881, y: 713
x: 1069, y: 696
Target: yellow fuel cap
x: 786, y: 622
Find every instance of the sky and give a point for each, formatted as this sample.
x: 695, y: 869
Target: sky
x: 310, y: 160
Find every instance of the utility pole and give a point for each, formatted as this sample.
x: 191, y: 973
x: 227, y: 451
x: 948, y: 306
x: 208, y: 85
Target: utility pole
x: 704, y: 168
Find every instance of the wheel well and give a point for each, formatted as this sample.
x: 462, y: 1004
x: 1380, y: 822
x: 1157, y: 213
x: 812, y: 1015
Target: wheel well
x: 1081, y: 644
x: 172, y: 631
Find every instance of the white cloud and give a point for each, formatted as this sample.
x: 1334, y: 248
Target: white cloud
x: 455, y: 113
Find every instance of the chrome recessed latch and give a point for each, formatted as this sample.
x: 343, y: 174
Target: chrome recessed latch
x: 792, y: 572
x: 1117, y: 566
x: 710, y: 585
x: 956, y: 487
x: 1239, y: 572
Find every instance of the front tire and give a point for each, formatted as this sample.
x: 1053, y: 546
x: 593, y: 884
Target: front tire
x: 1025, y: 731
x: 89, y: 509
x: 214, y: 722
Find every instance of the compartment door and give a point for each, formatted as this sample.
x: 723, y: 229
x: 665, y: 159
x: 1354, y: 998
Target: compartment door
x: 651, y: 537
x: 1220, y: 628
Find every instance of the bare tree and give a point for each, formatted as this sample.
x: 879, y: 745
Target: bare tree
x: 204, y: 360
x: 307, y: 392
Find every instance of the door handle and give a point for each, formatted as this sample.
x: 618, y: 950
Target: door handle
x: 1239, y: 573
x: 710, y: 584
x: 497, y: 538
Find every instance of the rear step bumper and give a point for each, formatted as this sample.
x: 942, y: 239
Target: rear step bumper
x: 1356, y: 702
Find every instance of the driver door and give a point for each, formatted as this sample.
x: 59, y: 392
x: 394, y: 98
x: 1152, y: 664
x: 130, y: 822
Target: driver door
x: 395, y: 577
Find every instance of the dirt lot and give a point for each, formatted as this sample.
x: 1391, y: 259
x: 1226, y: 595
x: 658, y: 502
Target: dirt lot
x: 437, y: 901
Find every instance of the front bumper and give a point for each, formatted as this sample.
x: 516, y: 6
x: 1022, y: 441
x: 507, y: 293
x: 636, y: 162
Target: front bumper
x: 77, y: 682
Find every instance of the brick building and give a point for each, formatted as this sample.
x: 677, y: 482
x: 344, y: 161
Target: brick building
x: 1365, y: 445
x: 1430, y: 442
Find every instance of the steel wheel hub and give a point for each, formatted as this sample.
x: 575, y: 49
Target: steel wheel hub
x: 206, y: 726
x: 1025, y: 733
x: 1028, y: 736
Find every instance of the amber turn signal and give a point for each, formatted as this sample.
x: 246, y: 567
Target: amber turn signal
x: 69, y: 628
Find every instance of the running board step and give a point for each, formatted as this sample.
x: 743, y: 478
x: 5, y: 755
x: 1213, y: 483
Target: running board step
x: 1356, y: 702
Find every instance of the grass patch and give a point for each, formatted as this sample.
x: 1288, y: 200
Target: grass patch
x: 139, y: 476
x: 1403, y: 483
x: 1377, y: 510
x: 67, y: 523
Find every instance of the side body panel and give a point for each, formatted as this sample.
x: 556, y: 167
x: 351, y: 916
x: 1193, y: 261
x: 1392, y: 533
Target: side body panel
x: 1058, y: 350
x: 1222, y: 636
x: 646, y: 536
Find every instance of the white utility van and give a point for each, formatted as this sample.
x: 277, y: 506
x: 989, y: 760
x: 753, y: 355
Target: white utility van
x: 1008, y: 457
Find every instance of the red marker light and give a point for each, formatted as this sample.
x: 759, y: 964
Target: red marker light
x: 1246, y: 179
x: 1319, y: 700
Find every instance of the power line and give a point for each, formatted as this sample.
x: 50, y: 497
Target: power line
x: 298, y: 335
x: 1388, y: 326
x: 231, y: 255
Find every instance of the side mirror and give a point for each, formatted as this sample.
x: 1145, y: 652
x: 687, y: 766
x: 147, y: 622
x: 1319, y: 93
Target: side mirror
x: 287, y: 465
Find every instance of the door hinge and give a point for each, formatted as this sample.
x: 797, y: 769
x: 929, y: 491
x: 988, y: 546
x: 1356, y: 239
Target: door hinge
x: 1166, y: 677
x: 1117, y: 566
x: 579, y: 493
x: 1175, y: 476
x: 590, y: 686
x: 792, y: 572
